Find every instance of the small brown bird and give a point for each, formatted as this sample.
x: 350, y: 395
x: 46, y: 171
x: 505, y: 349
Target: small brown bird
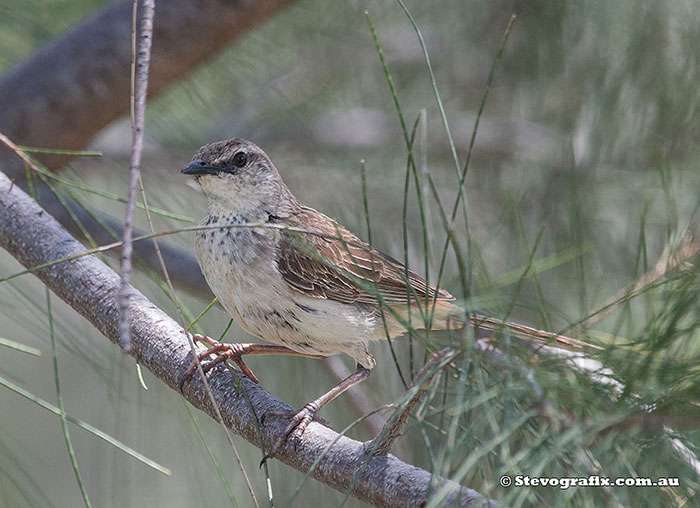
x: 293, y: 276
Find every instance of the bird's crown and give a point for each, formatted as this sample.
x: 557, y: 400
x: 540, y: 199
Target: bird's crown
x: 237, y: 175
x: 228, y: 156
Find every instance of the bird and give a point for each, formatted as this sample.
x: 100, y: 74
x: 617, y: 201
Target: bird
x: 296, y: 278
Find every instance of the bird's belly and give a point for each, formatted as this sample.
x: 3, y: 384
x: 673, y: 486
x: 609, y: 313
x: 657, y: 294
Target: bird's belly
x: 254, y: 293
x: 319, y: 327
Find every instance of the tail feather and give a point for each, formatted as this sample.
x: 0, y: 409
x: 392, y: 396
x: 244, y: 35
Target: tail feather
x: 490, y: 325
x: 445, y: 316
x: 448, y: 316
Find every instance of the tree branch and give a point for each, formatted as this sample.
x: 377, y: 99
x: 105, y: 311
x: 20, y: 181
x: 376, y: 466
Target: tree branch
x: 182, y: 265
x: 33, y: 237
x: 73, y: 87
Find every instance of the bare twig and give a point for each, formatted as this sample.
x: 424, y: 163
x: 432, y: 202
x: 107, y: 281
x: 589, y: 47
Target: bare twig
x: 18, y: 151
x: 381, y: 445
x: 667, y: 262
x: 139, y: 82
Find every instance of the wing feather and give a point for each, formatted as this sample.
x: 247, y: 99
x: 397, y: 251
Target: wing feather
x: 344, y: 270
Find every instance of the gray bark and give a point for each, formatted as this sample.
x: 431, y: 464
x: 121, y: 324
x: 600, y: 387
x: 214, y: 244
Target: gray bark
x: 34, y: 237
x: 182, y: 266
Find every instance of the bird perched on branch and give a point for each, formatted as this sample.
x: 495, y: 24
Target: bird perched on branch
x: 296, y: 278
x: 293, y: 276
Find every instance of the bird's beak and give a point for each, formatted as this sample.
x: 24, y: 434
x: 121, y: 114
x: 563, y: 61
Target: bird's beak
x: 199, y: 167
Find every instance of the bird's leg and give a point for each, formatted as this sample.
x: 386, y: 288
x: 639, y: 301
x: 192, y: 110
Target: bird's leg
x: 234, y: 352
x: 302, y: 418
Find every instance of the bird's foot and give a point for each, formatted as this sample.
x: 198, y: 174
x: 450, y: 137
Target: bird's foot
x: 223, y: 352
x: 296, y: 427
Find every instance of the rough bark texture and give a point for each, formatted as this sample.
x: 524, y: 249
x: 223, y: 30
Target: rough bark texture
x: 69, y: 90
x: 182, y: 266
x: 34, y: 237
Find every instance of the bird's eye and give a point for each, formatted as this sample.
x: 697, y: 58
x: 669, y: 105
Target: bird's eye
x: 240, y: 159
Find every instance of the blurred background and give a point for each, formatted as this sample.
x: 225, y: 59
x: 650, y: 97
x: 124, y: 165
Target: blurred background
x: 584, y: 167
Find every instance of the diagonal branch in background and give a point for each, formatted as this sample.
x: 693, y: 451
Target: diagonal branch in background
x: 181, y: 264
x: 69, y: 90
x: 90, y: 287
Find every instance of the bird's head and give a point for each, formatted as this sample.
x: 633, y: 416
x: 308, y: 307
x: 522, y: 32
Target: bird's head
x: 237, y: 175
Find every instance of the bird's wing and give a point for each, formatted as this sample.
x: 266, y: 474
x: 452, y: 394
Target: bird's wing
x: 344, y: 270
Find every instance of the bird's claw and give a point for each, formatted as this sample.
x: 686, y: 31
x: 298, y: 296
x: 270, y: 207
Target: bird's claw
x: 296, y: 427
x: 291, y: 413
x: 223, y: 351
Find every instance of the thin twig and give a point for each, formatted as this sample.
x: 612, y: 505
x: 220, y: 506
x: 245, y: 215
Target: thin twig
x: 381, y: 445
x: 20, y: 153
x: 139, y: 84
x: 138, y: 115
x: 668, y: 261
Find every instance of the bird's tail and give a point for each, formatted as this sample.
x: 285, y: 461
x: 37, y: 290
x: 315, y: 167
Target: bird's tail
x: 444, y: 316
x: 448, y: 316
x: 488, y: 326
